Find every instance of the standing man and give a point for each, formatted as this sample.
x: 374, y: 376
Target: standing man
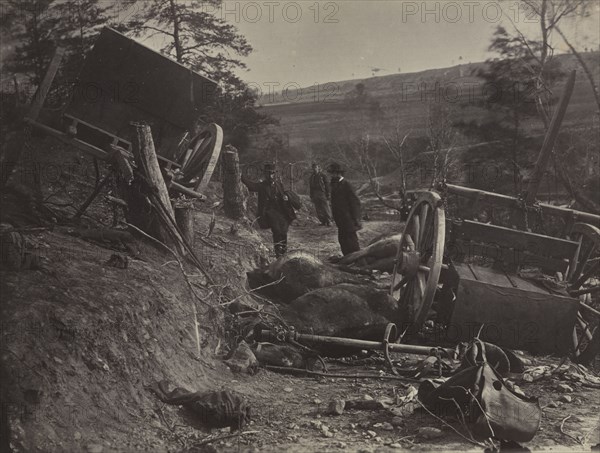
x: 345, y: 206
x: 274, y: 211
x: 319, y: 194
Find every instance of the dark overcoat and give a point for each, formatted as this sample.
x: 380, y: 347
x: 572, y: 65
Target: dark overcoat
x: 345, y: 206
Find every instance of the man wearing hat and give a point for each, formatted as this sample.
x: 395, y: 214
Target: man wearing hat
x: 319, y: 194
x: 274, y: 211
x: 345, y: 206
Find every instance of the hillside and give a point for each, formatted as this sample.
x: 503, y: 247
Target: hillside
x: 327, y: 113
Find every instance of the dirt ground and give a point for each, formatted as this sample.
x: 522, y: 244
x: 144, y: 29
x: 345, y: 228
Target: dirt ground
x: 81, y: 340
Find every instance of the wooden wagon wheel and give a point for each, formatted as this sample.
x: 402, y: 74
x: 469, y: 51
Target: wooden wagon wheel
x: 419, y: 259
x: 583, y: 269
x: 202, y: 155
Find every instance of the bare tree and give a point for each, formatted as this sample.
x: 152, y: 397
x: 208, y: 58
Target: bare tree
x: 550, y: 13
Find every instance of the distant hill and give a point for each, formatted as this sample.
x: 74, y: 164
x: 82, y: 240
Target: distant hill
x: 331, y: 111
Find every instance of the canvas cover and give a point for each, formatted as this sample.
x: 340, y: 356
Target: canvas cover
x: 123, y: 81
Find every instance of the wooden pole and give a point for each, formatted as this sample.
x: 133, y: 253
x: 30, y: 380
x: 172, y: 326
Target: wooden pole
x: 40, y: 95
x: 147, y: 164
x: 549, y: 140
x: 233, y: 195
x: 184, y: 216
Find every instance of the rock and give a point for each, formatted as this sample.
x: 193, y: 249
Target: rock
x: 397, y: 421
x: 427, y: 432
x: 371, y: 433
x: 288, y: 390
x: 564, y: 388
x: 387, y: 426
x: 325, y: 431
x: 395, y: 445
x: 552, y: 404
x: 94, y: 448
x: 340, y: 445
x: 77, y: 435
x: 317, y: 401
x: 336, y: 407
x: 566, y: 398
x: 367, y: 397
x: 316, y: 424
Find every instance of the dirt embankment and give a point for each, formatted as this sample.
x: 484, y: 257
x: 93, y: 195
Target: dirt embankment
x: 81, y: 339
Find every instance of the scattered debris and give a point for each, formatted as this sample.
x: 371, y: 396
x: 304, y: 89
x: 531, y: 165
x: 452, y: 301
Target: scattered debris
x: 428, y: 432
x: 242, y: 359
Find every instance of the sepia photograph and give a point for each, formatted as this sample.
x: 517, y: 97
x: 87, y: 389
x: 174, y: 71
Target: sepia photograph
x: 365, y: 226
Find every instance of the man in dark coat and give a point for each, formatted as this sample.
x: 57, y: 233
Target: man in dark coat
x: 319, y: 194
x: 345, y: 206
x: 274, y: 210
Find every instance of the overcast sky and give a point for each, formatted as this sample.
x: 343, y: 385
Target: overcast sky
x: 305, y: 42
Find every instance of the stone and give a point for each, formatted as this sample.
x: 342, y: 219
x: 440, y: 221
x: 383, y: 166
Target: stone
x: 94, y: 448
x: 336, y: 407
x: 367, y: 397
x: 397, y: 421
x: 77, y: 435
x: 566, y: 398
x: 371, y: 433
x: 288, y: 390
x: 317, y: 401
x: 552, y: 404
x: 564, y: 388
x: 429, y: 432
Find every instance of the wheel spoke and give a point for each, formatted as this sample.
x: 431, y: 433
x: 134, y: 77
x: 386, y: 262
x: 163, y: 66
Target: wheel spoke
x: 584, y: 259
x: 423, y: 220
x: 421, y: 283
x: 416, y: 227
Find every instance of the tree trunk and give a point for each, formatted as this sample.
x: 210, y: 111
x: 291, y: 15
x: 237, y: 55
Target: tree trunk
x: 233, y: 195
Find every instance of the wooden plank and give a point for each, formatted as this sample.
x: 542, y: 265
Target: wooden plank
x: 83, y: 146
x: 458, y: 250
x: 505, y: 201
x: 91, y: 126
x: 40, y: 95
x: 533, y: 243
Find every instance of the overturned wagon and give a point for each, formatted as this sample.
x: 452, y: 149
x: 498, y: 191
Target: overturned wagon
x: 515, y: 287
x: 122, y: 82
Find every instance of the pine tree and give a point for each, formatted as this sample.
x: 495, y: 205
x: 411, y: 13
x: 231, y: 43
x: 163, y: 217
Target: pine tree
x: 196, y: 37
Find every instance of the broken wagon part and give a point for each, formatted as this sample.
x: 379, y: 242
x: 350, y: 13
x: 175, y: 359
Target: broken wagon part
x: 123, y: 81
x: 387, y: 345
x: 440, y: 266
